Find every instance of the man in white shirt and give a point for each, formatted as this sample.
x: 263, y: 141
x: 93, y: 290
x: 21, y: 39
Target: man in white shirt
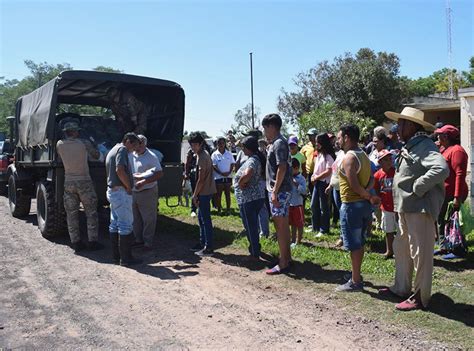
x: 223, y: 162
x: 146, y: 171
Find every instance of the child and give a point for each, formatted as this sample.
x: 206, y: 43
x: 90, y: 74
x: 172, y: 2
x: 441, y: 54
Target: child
x: 296, y: 214
x: 383, y: 186
x: 187, y: 192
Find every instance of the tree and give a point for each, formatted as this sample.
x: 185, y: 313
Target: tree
x: 40, y: 73
x: 469, y: 75
x: 243, y: 120
x: 366, y: 82
x: 310, y: 93
x: 107, y: 69
x: 328, y: 118
x: 438, y: 81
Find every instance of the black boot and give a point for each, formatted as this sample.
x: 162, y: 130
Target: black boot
x: 114, y: 240
x: 125, y: 244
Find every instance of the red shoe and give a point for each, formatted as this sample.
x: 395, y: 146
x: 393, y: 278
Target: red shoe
x: 409, y: 305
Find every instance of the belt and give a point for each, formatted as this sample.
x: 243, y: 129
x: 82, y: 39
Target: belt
x: 116, y: 188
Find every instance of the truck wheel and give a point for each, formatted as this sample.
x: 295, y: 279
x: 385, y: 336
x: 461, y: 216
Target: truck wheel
x: 20, y: 203
x: 51, y: 216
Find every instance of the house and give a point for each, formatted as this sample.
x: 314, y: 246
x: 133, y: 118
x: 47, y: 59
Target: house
x: 458, y: 112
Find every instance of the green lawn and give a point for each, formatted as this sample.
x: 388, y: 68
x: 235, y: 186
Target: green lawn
x: 451, y: 315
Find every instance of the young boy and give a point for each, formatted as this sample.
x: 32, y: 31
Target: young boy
x: 296, y: 215
x: 383, y: 186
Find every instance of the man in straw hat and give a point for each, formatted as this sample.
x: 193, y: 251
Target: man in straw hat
x: 418, y: 193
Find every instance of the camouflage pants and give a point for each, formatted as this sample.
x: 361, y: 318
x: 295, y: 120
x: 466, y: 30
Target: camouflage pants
x: 75, y: 192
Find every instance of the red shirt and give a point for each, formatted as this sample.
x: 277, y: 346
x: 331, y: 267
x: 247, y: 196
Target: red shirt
x: 383, y: 186
x: 455, y: 184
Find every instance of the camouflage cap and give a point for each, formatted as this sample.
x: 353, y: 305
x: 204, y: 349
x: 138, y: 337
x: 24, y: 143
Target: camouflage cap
x: 71, y: 126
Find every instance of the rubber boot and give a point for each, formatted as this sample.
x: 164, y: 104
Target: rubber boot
x: 114, y: 240
x: 125, y: 244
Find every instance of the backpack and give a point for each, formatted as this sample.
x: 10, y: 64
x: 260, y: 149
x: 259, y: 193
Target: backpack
x: 454, y: 241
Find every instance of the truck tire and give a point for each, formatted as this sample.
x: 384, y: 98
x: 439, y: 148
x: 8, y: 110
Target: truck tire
x: 19, y: 202
x: 50, y: 215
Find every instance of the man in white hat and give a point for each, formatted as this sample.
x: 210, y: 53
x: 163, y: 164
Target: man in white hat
x: 418, y: 193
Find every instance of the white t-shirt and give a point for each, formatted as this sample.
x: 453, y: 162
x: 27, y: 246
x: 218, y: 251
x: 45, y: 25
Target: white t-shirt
x: 223, y: 162
x: 321, y: 164
x: 147, y: 164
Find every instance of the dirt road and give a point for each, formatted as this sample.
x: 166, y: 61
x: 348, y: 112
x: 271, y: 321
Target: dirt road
x: 53, y: 299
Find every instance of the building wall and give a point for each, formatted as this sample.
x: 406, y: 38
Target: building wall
x: 467, y: 137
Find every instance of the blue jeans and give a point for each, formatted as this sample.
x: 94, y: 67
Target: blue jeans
x: 205, y: 222
x: 249, y: 212
x: 263, y: 220
x: 320, y: 208
x: 355, y: 217
x: 337, y: 198
x: 121, y: 211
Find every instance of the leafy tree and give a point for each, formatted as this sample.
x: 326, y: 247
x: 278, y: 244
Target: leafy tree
x: 366, y: 82
x: 40, y: 73
x: 469, y: 75
x: 328, y: 118
x: 438, y: 81
x: 107, y: 69
x: 243, y: 120
x: 310, y: 92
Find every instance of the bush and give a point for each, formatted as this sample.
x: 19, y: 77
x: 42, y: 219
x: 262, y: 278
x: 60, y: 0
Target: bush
x: 329, y: 118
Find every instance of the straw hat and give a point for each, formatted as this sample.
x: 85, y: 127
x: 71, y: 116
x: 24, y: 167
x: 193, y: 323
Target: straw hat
x: 411, y: 114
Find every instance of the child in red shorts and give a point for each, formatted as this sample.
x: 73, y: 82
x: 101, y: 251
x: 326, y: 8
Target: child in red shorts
x: 296, y: 215
x: 383, y: 180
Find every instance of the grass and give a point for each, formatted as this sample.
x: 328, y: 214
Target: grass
x: 449, y: 320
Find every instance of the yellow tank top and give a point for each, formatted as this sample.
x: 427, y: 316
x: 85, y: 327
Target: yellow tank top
x: 363, y: 174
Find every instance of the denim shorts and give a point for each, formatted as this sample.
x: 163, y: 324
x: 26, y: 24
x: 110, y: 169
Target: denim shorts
x: 355, y: 218
x: 284, y: 201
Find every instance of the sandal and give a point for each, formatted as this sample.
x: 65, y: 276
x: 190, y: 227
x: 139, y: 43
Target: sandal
x: 277, y: 270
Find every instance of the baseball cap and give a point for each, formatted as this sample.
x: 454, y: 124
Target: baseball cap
x: 293, y: 140
x: 312, y: 131
x: 449, y: 130
x: 383, y: 153
x: 71, y: 126
x: 394, y: 129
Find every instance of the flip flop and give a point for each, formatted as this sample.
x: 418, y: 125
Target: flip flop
x: 450, y: 256
x: 277, y: 270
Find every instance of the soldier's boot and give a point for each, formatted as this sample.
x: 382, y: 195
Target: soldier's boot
x: 125, y: 244
x: 114, y: 240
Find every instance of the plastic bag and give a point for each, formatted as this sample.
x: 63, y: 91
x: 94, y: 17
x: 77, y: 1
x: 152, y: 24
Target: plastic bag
x: 454, y: 240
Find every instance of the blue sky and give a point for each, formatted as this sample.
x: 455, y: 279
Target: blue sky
x: 205, y: 45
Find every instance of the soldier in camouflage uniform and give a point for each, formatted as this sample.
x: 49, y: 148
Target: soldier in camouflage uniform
x: 78, y: 186
x: 130, y: 112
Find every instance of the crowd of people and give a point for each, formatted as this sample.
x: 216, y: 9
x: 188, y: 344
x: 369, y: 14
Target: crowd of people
x: 402, y: 181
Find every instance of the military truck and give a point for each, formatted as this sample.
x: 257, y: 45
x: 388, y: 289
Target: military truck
x: 106, y: 106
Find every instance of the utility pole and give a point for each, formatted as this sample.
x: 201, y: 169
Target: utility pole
x: 251, y: 90
x: 448, y: 24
